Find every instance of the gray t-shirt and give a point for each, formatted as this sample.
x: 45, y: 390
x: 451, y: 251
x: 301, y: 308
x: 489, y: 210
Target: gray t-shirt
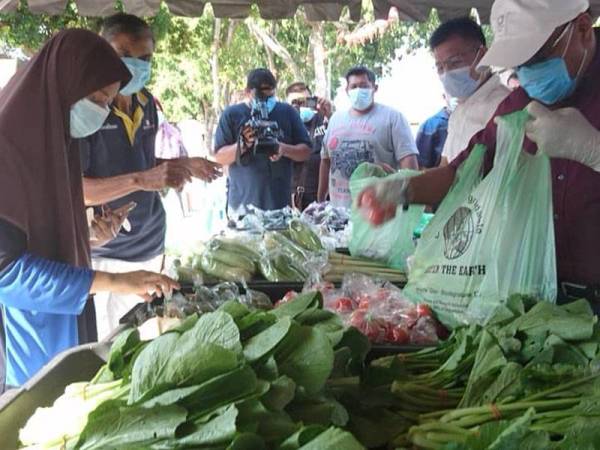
x: 381, y: 136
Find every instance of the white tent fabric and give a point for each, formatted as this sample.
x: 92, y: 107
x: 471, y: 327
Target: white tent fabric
x: 271, y: 9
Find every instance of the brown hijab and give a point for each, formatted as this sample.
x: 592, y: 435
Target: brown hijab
x: 40, y: 172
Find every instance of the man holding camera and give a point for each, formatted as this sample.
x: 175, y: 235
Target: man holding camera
x: 315, y: 113
x: 258, y: 141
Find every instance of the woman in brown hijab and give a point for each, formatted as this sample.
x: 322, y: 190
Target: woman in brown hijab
x: 45, y: 280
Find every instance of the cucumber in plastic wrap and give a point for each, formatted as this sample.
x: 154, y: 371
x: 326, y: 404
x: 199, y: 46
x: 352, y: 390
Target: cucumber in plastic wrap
x: 302, y: 235
x: 222, y: 271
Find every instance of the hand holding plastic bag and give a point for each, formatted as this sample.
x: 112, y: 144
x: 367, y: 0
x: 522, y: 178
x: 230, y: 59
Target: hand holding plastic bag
x: 491, y: 237
x: 390, y: 242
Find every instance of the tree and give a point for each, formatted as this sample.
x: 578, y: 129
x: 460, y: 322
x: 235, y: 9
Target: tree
x: 200, y: 63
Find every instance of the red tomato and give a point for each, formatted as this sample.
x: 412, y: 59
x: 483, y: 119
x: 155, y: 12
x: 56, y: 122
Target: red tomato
x: 400, y: 335
x: 363, y: 304
x: 424, y: 310
x: 410, y: 317
x: 357, y: 319
x: 343, y: 305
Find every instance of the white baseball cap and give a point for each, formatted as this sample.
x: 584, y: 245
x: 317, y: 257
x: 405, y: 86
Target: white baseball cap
x: 522, y: 27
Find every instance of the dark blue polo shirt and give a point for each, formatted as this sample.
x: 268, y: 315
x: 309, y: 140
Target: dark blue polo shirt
x: 262, y: 183
x: 111, y: 152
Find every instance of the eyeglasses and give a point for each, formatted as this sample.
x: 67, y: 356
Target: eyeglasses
x: 455, y: 62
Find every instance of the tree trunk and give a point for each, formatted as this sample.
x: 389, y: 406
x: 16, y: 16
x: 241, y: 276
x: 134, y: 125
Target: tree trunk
x: 271, y: 43
x: 317, y: 42
x: 214, y: 65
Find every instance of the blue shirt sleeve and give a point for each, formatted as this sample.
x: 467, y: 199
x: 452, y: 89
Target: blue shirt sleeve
x: 225, y: 134
x: 37, y: 284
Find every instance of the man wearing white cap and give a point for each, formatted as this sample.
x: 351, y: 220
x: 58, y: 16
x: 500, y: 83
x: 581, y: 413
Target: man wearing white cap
x: 553, y: 46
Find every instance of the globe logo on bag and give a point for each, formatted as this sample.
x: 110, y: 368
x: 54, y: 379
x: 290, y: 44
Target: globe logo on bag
x: 458, y: 233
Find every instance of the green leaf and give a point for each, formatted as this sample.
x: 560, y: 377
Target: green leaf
x: 247, y: 441
x: 281, y: 393
x: 216, y: 328
x: 235, y: 309
x: 265, y: 342
x: 124, y: 345
x: 302, y: 437
x: 219, y: 430
x: 489, y: 361
x: 254, y: 323
x: 173, y: 361
x: 572, y: 322
x: 268, y: 370
x: 306, y: 356
x: 319, y: 410
x: 212, y: 394
x: 327, y: 321
x: 333, y: 439
x: 298, y: 305
x: 115, y: 426
x: 507, y: 384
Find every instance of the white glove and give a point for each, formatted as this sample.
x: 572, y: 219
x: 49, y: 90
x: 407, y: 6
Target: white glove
x: 564, y: 133
x: 379, y: 201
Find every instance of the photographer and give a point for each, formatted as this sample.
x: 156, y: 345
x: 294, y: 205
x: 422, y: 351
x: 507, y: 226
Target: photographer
x: 315, y: 113
x: 260, y: 175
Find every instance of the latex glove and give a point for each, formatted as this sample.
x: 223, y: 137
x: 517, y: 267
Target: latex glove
x: 564, y: 133
x: 378, y: 202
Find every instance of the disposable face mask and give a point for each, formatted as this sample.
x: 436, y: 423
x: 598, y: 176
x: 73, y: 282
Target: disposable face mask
x: 459, y: 83
x: 549, y: 81
x: 86, y: 118
x: 361, y: 98
x: 271, y: 102
x: 306, y: 114
x: 140, y: 71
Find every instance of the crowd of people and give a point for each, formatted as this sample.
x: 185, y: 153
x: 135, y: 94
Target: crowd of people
x: 66, y: 279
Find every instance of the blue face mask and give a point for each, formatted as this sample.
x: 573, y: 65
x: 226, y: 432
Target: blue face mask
x: 140, y: 71
x: 550, y: 81
x: 361, y: 99
x: 306, y: 114
x: 87, y: 117
x: 459, y: 83
x: 270, y: 101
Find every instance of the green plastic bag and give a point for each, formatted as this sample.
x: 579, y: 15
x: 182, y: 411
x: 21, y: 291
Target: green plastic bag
x: 490, y: 237
x: 392, y: 242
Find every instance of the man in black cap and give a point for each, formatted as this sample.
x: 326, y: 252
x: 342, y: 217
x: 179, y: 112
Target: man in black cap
x: 255, y: 177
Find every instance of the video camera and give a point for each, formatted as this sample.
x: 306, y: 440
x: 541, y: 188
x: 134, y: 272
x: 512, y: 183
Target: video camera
x: 267, y: 132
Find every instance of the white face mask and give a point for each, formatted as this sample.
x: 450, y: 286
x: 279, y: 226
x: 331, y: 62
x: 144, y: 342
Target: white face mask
x: 458, y: 83
x: 87, y: 117
x: 361, y: 98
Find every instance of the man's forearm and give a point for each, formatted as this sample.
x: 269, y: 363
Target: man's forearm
x: 431, y: 187
x: 226, y: 155
x: 98, y: 191
x: 298, y: 153
x: 323, y: 179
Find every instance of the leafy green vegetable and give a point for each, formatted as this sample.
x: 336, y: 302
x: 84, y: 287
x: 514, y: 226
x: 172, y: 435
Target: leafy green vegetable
x: 333, y: 439
x: 220, y: 429
x: 298, y: 305
x: 281, y: 393
x: 265, y: 342
x: 116, y: 426
x: 308, y: 359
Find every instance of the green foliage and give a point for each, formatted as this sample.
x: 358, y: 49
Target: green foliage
x: 189, y: 51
